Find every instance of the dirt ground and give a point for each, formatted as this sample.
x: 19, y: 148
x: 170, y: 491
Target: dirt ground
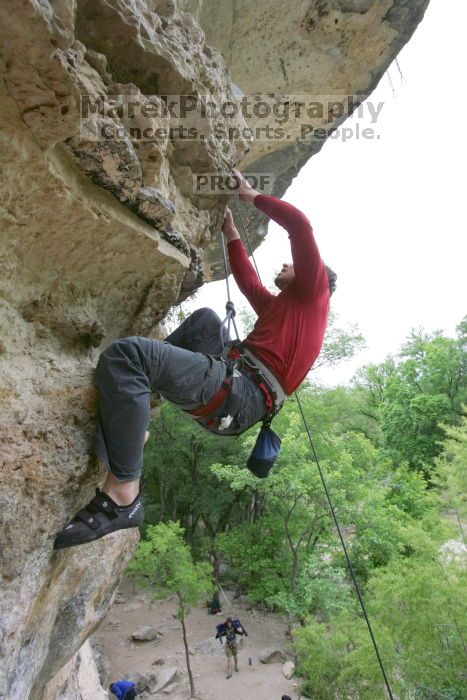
x: 253, y: 682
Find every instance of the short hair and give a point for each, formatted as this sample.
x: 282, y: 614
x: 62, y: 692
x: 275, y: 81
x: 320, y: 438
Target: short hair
x: 229, y: 619
x: 286, y: 697
x: 332, y: 278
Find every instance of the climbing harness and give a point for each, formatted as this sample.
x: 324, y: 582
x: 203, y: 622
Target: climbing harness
x: 267, y: 382
x: 207, y: 414
x: 328, y: 495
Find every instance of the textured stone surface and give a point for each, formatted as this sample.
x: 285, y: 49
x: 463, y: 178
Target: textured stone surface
x: 57, y: 600
x: 145, y: 634
x: 209, y: 646
x: 166, y: 678
x: 144, y: 683
x: 100, y: 239
x: 273, y: 654
x: 288, y: 669
x: 77, y: 680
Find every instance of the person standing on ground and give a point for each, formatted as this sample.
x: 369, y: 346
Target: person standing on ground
x: 226, y: 395
x: 229, y: 630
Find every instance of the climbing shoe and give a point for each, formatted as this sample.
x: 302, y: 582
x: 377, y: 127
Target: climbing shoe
x: 100, y: 517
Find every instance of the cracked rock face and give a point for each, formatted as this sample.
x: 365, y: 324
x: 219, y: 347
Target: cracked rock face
x: 104, y: 228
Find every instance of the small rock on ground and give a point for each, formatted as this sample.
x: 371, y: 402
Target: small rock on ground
x: 273, y: 654
x: 145, y: 634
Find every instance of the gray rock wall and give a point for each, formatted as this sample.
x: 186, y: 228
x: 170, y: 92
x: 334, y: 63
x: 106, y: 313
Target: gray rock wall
x: 99, y: 239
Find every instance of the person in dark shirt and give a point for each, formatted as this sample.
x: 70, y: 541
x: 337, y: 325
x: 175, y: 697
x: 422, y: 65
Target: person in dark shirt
x: 229, y: 630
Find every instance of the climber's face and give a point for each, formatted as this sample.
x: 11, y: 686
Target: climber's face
x: 285, y: 276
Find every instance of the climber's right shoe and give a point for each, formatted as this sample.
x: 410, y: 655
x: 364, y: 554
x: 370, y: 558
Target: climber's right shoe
x: 100, y: 517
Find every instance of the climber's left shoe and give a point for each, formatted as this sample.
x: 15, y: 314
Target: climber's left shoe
x: 100, y: 517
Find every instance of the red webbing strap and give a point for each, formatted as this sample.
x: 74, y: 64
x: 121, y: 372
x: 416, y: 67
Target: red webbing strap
x: 267, y: 395
x: 216, y: 401
x: 234, y: 353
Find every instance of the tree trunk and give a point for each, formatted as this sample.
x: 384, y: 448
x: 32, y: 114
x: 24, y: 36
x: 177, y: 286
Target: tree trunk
x: 256, y: 506
x: 185, y: 643
x: 189, y: 530
x: 162, y: 501
x: 293, y: 572
x: 216, y: 564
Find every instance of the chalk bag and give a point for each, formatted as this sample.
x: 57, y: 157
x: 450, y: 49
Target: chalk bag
x: 265, y: 452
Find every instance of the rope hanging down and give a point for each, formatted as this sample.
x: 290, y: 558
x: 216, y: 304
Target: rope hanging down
x: 229, y: 604
x: 323, y: 480
x: 247, y: 238
x: 229, y: 307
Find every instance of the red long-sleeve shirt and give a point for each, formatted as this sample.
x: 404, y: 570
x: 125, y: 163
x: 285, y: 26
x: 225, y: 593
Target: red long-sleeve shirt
x: 290, y: 328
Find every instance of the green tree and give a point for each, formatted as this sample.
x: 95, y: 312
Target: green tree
x: 417, y: 393
x: 267, y: 553
x: 163, y: 562
x: 335, y: 659
x: 377, y: 506
x: 422, y: 602
x: 417, y: 608
x: 340, y: 343
x: 451, y: 477
x: 180, y: 484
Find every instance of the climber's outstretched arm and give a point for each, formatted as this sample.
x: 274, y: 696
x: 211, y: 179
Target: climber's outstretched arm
x: 243, y: 271
x: 310, y: 272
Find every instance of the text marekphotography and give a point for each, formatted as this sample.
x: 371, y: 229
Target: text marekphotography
x: 161, y: 118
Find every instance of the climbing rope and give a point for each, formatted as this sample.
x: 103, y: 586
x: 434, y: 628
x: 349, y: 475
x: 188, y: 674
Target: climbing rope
x: 391, y: 82
x: 229, y: 604
x: 229, y: 307
x: 323, y: 481
x: 247, y: 239
x: 399, y: 71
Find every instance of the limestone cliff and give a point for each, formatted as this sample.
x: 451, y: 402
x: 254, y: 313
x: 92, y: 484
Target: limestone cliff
x: 101, y: 236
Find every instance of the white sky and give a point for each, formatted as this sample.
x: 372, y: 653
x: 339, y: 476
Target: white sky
x: 389, y: 215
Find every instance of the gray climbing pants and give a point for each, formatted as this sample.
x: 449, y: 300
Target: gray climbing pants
x: 186, y: 369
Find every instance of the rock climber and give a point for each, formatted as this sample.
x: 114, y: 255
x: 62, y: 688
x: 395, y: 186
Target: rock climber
x: 223, y: 394
x: 229, y: 629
